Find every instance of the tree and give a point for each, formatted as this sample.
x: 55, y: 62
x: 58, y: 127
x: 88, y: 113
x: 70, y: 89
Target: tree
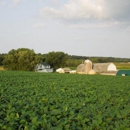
x: 2, y: 58
x: 56, y: 59
x: 21, y: 59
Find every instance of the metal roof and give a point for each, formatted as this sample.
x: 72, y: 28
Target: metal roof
x: 45, y: 64
x: 123, y: 72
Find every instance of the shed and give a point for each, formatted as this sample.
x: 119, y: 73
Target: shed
x: 66, y: 70
x: 104, y: 67
x: 60, y: 70
x: 123, y: 73
x: 63, y: 70
x: 44, y: 67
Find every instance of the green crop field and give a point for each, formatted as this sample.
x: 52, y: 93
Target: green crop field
x: 122, y: 65
x: 42, y: 101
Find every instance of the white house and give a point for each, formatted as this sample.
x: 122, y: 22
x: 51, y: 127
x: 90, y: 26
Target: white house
x: 43, y: 68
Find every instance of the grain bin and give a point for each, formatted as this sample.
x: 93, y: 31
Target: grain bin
x: 87, y: 66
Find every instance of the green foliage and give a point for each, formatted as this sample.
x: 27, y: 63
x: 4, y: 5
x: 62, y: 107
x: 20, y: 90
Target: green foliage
x: 99, y: 59
x: 56, y: 59
x: 73, y: 62
x: 35, y: 101
x: 2, y: 58
x: 21, y: 59
x: 61, y: 59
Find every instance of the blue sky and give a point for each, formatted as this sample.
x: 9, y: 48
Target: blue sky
x: 76, y: 27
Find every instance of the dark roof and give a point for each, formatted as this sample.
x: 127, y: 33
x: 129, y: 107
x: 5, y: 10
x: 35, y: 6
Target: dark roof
x: 45, y: 64
x: 123, y: 72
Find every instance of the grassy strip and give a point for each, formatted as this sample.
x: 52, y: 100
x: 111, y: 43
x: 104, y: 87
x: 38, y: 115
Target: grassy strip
x: 122, y: 65
x: 1, y: 68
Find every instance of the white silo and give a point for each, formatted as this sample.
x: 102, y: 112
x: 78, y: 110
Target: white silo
x: 87, y: 66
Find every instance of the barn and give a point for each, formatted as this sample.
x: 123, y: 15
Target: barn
x: 80, y: 68
x: 104, y: 67
x: 123, y: 73
x: 85, y: 68
x: 44, y: 67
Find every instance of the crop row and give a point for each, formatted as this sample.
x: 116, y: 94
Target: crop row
x: 41, y: 101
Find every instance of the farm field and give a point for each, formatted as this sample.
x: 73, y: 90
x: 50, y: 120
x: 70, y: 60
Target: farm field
x: 1, y: 68
x: 122, y: 65
x: 42, y: 101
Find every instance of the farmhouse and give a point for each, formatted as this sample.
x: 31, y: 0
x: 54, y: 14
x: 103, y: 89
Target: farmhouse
x: 104, y: 67
x: 44, y: 67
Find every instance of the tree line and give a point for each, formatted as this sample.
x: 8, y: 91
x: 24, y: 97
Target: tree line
x: 26, y: 59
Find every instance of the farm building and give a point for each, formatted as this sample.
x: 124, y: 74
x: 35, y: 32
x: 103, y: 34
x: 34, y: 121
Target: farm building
x: 66, y: 70
x: 85, y: 68
x: 63, y: 70
x: 72, y: 72
x: 60, y: 70
x: 123, y: 73
x: 80, y: 68
x: 43, y: 68
x: 104, y: 67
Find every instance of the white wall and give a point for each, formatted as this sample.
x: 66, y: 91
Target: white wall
x: 111, y: 67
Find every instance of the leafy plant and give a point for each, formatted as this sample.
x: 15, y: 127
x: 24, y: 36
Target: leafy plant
x: 53, y: 101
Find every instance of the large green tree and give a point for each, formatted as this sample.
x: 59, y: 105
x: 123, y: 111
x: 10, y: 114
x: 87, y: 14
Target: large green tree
x: 21, y: 59
x: 2, y: 58
x: 56, y: 59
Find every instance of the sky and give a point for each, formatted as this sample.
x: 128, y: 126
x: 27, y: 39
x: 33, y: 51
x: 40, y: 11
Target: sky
x: 76, y: 27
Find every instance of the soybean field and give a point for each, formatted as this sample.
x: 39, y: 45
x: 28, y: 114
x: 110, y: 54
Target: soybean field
x: 51, y: 101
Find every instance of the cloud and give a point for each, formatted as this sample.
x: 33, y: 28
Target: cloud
x: 17, y: 1
x: 89, y: 9
x: 3, y: 3
x: 80, y: 38
x: 38, y: 25
x: 118, y: 9
x: 75, y: 9
x: 128, y: 29
x: 54, y: 1
x: 103, y: 24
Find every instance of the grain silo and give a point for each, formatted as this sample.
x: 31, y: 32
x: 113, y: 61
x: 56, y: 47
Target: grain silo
x: 87, y: 66
x: 91, y: 72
